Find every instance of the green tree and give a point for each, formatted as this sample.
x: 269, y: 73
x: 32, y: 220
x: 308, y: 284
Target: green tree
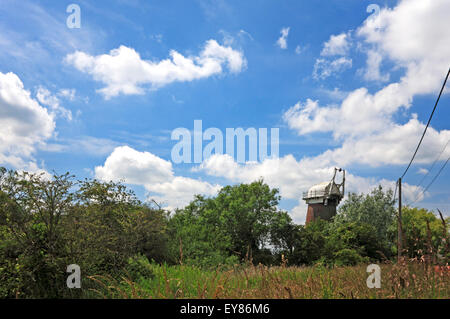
x: 48, y: 223
x: 415, y: 231
x: 248, y: 211
x: 198, y: 235
x: 308, y: 243
x: 375, y: 209
x: 241, y: 221
x: 32, y: 207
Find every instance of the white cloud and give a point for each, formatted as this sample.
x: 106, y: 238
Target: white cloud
x: 286, y: 173
x: 372, y: 72
x: 298, y: 49
x: 308, y: 117
x: 367, y: 132
x: 291, y: 176
x: 298, y: 213
x: 424, y: 53
x: 282, y: 40
x: 48, y: 99
x: 134, y: 167
x: 393, y: 146
x: 336, y: 45
x: 364, y: 122
x: 123, y: 71
x: 155, y: 174
x: 24, y: 124
x: 324, y: 68
x: 179, y: 191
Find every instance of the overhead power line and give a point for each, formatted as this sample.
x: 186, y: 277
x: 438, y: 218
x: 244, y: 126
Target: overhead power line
x: 429, y: 120
x: 431, y: 168
x: 434, y: 163
x: 432, y: 181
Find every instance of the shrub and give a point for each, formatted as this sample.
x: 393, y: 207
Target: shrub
x: 139, y: 267
x: 348, y: 257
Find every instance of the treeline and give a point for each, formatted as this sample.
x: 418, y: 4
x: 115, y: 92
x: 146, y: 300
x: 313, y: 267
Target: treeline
x: 47, y: 224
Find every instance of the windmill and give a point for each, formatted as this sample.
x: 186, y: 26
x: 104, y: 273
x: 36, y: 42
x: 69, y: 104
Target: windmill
x: 323, y: 198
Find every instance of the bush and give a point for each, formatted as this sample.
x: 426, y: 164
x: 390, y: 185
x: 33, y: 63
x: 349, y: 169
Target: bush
x: 348, y: 257
x: 139, y: 267
x: 48, y: 224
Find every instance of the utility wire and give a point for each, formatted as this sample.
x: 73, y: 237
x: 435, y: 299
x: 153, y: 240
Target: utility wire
x: 434, y: 163
x: 432, y: 181
x: 429, y: 120
x: 431, y: 168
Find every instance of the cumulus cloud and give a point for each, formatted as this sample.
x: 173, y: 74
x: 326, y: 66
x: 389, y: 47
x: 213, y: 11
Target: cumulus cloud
x: 364, y: 122
x: 329, y: 64
x: 336, y: 45
x: 425, y: 24
x: 134, y: 167
x: 286, y: 173
x: 291, y: 176
x: 282, y: 40
x: 24, y: 124
x: 155, y: 174
x: 372, y: 71
x: 123, y: 71
x: 365, y: 127
x: 384, y: 148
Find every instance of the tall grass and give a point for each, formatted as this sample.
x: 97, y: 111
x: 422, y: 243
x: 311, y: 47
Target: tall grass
x: 406, y: 279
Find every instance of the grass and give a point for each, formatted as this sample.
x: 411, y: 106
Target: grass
x: 402, y: 280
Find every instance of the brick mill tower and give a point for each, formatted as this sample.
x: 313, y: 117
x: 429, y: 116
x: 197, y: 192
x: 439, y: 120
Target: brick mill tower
x: 323, y: 198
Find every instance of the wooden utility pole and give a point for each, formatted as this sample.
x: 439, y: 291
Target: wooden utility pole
x: 399, y: 222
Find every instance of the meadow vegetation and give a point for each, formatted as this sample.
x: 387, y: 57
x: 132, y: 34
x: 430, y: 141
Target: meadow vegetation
x: 237, y: 244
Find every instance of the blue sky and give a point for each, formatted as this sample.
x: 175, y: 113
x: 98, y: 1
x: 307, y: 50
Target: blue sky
x: 346, y: 86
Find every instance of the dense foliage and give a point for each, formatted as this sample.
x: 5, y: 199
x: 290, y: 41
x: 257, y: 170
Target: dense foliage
x: 48, y: 223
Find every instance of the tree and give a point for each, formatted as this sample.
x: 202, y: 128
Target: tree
x: 198, y: 235
x: 241, y: 221
x: 46, y: 224
x: 283, y: 232
x: 31, y: 210
x: 108, y: 225
x: 248, y: 211
x: 308, y: 243
x: 415, y: 230
x: 375, y: 209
